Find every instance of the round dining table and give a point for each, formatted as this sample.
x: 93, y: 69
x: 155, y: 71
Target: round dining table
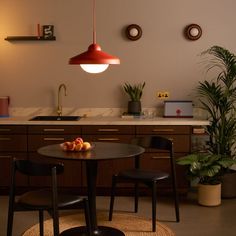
x: 100, y: 151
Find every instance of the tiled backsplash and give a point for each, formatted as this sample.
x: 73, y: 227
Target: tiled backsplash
x: 35, y: 111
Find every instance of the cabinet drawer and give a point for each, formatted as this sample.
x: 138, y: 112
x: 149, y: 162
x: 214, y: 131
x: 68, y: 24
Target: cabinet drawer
x: 13, y: 143
x: 108, y: 138
x: 163, y: 129
x: 54, y: 129
x: 13, y: 129
x: 37, y: 141
x: 108, y: 129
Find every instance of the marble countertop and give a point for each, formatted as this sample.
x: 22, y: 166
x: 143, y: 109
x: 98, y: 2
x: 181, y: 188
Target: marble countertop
x: 103, y: 120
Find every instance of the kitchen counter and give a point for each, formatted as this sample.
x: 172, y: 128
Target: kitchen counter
x: 103, y: 120
x: 21, y: 138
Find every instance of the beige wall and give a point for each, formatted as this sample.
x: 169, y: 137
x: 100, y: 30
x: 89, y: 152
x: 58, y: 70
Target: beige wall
x: 30, y: 72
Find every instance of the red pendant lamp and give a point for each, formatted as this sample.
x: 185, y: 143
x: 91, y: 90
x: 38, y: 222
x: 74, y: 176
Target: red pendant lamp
x: 94, y: 60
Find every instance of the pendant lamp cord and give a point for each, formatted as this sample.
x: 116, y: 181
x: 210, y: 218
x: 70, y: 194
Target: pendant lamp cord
x: 94, y: 22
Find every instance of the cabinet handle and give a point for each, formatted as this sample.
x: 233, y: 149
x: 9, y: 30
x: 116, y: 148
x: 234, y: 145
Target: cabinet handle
x: 53, y: 139
x: 4, y: 130
x: 51, y: 130
x: 108, y: 130
x: 108, y: 139
x: 161, y: 157
x: 6, y: 157
x: 5, y: 139
x: 162, y: 130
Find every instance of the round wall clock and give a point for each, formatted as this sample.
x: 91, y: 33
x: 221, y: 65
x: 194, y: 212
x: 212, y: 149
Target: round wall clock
x: 133, y: 32
x: 193, y: 32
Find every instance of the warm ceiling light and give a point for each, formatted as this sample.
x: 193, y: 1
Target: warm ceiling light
x: 94, y: 60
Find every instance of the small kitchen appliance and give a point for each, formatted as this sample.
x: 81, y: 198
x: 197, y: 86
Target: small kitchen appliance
x: 4, y: 106
x: 178, y: 109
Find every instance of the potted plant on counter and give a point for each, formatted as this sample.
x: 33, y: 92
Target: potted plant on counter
x: 207, y: 169
x: 218, y: 98
x: 135, y: 93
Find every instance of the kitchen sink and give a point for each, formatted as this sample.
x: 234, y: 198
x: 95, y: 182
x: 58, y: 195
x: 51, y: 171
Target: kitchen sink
x: 55, y: 118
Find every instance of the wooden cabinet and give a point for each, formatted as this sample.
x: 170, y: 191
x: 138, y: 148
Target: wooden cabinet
x: 181, y: 137
x: 22, y: 141
x: 13, y: 143
x: 108, y: 133
x: 42, y: 135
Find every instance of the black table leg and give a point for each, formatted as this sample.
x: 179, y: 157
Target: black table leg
x: 91, y: 172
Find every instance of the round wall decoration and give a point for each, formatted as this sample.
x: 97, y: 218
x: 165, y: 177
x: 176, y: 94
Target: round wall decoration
x: 133, y: 32
x: 193, y: 32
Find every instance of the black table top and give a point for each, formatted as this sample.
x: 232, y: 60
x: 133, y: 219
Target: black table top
x: 100, y: 151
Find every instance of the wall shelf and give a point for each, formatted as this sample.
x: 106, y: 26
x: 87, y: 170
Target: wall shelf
x: 29, y: 38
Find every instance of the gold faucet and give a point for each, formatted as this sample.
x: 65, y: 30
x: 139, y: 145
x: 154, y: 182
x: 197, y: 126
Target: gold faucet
x: 59, y: 103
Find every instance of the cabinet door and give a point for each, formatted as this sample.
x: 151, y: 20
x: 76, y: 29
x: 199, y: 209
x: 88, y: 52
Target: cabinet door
x: 13, y: 144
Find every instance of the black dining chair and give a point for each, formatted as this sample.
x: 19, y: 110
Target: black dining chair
x: 148, y: 177
x: 41, y: 200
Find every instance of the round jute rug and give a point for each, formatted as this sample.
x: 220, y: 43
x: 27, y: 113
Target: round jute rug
x: 130, y: 224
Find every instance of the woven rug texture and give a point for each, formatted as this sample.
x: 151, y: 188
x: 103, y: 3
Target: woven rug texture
x: 130, y: 224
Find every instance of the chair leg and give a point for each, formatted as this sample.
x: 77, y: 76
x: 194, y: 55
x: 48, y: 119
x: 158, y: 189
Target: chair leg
x: 176, y: 199
x: 154, y: 202
x: 55, y: 217
x: 10, y: 221
x: 41, y: 223
x: 112, y: 197
x: 136, y: 196
x: 87, y: 217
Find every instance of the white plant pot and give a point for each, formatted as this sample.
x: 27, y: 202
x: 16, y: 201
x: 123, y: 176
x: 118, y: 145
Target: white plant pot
x: 209, y: 195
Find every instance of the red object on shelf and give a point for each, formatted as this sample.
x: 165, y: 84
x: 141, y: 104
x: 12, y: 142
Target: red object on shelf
x: 38, y: 31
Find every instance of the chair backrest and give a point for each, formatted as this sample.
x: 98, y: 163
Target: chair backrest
x: 156, y: 142
x: 30, y: 168
x: 35, y: 168
x: 160, y: 143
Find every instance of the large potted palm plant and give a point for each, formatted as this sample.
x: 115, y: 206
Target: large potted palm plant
x: 218, y: 98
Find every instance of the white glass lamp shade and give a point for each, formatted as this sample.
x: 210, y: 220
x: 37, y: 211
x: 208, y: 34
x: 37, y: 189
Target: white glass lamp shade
x: 94, y: 68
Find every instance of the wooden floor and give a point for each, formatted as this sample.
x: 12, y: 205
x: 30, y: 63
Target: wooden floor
x: 195, y: 220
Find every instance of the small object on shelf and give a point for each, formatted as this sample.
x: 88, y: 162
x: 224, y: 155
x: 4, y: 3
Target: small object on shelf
x: 48, y: 31
x: 29, y: 38
x: 38, y: 31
